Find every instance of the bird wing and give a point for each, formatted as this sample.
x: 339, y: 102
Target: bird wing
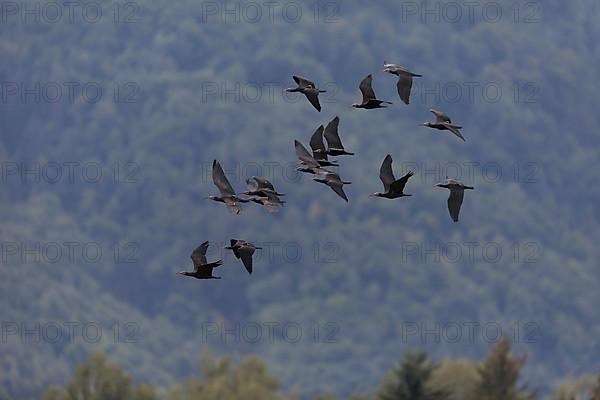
x: 398, y: 186
x: 304, y: 155
x: 338, y: 189
x: 199, y: 255
x: 455, y: 129
x: 303, y: 82
x: 317, y: 146
x: 454, y: 202
x: 246, y: 253
x: 332, y: 136
x: 220, y: 180
x: 404, y: 86
x: 440, y: 117
x: 386, y: 174
x: 313, y: 96
x: 366, y: 89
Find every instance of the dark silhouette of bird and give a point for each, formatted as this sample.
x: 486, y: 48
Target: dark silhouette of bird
x: 318, y: 148
x: 393, y: 188
x: 228, y: 196
x: 334, y: 181
x: 202, y: 269
x: 457, y: 192
x: 369, y: 100
x: 309, y: 89
x: 244, y: 250
x: 443, y: 123
x: 334, y: 143
x: 261, y: 187
x: 405, y: 79
x: 308, y: 163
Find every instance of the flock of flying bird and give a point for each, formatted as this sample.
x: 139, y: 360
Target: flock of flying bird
x: 262, y: 192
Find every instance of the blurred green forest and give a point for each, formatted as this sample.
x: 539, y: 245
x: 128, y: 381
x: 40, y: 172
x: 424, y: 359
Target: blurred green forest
x: 497, y: 377
x: 171, y: 53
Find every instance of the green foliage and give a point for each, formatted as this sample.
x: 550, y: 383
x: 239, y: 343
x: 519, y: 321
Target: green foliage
x: 410, y: 381
x: 99, y: 379
x: 500, y: 373
x: 222, y: 380
x: 459, y: 378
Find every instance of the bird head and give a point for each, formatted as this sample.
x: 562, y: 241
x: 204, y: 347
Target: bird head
x: 356, y: 105
x: 426, y: 124
x: 376, y: 194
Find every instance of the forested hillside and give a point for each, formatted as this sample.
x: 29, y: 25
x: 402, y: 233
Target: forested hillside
x: 108, y: 130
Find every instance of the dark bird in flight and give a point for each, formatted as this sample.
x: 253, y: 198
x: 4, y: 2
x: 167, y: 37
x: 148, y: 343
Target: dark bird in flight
x: 369, y: 100
x: 443, y: 123
x: 309, y: 89
x: 334, y: 143
x: 228, y: 196
x: 318, y: 148
x: 457, y: 192
x: 393, y: 188
x: 202, y: 269
x: 405, y: 79
x: 308, y: 163
x: 261, y: 187
x: 244, y: 250
x: 334, y: 181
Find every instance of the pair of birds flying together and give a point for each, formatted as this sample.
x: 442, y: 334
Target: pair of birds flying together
x: 394, y: 188
x: 204, y: 270
x: 261, y: 190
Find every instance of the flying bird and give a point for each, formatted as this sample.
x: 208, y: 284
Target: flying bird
x: 334, y: 181
x: 318, y: 148
x: 228, y: 196
x: 334, y: 143
x: 405, y: 79
x: 202, y: 269
x: 308, y: 163
x: 393, y: 188
x: 244, y: 250
x: 369, y: 100
x: 457, y: 192
x: 309, y: 89
x: 443, y: 123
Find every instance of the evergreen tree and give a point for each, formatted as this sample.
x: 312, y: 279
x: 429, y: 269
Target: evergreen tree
x: 410, y: 381
x: 499, y: 375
